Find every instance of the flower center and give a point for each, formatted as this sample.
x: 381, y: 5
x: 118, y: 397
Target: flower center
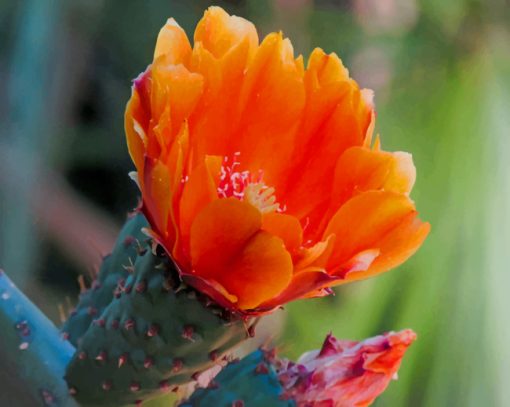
x: 244, y: 185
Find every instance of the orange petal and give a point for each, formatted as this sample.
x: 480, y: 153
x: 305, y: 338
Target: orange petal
x: 284, y: 226
x: 317, y: 255
x: 219, y: 32
x: 336, y: 117
x: 219, y: 233
x: 199, y: 190
x: 271, y: 102
x: 261, y: 271
x: 302, y: 284
x: 176, y: 88
x: 156, y: 200
x: 395, y: 248
x: 173, y: 43
x: 135, y: 133
x: 361, y: 169
x: 364, y: 221
x: 223, y: 81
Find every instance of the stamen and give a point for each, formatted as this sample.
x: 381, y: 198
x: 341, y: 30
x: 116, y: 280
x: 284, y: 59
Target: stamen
x: 244, y: 185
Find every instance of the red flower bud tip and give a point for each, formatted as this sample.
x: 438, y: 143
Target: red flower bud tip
x: 345, y: 373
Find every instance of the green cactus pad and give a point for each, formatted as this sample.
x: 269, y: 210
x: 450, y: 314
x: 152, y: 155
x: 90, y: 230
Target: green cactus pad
x: 251, y: 382
x: 33, y: 355
x: 113, y: 269
x: 155, y: 335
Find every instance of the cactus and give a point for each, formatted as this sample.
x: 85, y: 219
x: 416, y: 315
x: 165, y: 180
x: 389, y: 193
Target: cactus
x: 32, y: 352
x: 154, y: 335
x: 250, y: 382
x: 341, y: 373
x: 113, y: 270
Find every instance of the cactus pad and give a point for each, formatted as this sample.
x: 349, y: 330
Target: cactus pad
x: 113, y: 269
x: 154, y: 335
x: 251, y: 382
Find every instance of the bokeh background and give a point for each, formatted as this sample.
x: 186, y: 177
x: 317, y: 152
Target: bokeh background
x: 441, y: 73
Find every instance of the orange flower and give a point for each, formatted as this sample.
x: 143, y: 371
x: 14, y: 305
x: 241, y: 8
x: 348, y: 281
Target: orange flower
x: 258, y: 175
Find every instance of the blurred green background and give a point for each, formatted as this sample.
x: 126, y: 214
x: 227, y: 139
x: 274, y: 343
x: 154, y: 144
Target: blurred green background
x: 441, y: 73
